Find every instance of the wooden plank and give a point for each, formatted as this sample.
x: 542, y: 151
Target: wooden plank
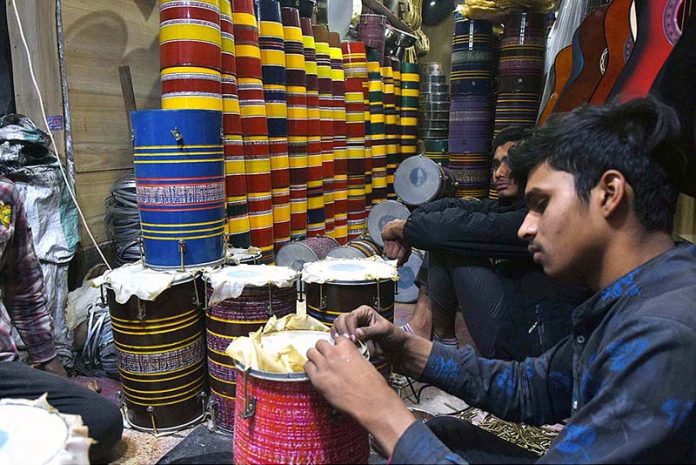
x: 38, y: 19
x: 124, y: 73
x: 685, y: 218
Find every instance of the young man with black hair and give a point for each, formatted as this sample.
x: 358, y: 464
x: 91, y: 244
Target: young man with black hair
x: 601, y: 207
x: 477, y: 263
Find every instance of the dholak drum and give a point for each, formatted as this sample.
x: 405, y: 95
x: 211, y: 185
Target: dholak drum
x: 312, y: 249
x: 180, y: 186
x: 383, y: 213
x: 407, y: 290
x: 357, y: 248
x: 249, y: 256
x: 161, y: 346
x: 32, y: 432
x: 419, y: 180
x: 337, y: 286
x: 241, y: 300
x: 281, y: 418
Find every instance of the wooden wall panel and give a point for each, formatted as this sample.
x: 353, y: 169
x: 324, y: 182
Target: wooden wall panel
x: 99, y: 37
x: 685, y: 220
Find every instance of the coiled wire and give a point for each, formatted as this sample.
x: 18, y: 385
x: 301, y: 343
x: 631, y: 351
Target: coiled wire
x: 99, y: 356
x: 122, y: 220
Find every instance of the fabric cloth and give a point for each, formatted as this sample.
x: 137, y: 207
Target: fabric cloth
x: 22, y: 283
x: 102, y: 418
x: 468, y: 443
x: 624, y: 378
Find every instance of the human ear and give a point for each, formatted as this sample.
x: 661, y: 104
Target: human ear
x: 612, y: 189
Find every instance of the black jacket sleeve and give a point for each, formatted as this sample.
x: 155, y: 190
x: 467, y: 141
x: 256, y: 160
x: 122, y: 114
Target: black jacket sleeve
x: 466, y: 227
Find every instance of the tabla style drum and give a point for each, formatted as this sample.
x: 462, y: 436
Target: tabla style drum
x: 281, y: 418
x: 419, y: 180
x: 337, y: 286
x: 236, y: 256
x: 363, y: 247
x: 383, y: 213
x: 312, y: 249
x: 180, y: 186
x: 33, y: 432
x: 241, y: 299
x: 407, y: 291
x: 161, y: 346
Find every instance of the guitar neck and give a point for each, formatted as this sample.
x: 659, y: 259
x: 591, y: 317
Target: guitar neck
x: 594, y: 4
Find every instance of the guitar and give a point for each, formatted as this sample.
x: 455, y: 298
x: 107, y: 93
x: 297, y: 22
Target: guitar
x: 562, y: 67
x: 658, y: 32
x: 589, y: 50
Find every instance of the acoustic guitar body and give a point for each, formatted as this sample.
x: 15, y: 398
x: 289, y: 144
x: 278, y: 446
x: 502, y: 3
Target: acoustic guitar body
x: 590, y: 50
x: 617, y: 31
x: 658, y: 32
x: 562, y: 69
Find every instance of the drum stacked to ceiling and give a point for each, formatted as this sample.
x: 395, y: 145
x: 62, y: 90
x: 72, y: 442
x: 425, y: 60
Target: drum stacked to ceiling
x: 391, y: 137
x: 471, y: 109
x: 394, y: 155
x: 433, y: 127
x: 377, y: 127
x: 339, y: 139
x: 410, y: 91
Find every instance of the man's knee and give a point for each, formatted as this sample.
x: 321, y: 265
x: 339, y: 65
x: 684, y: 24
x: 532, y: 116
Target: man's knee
x: 104, y: 421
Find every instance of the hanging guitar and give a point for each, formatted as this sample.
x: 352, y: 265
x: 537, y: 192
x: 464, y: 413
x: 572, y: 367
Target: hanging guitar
x: 617, y: 33
x: 589, y: 50
x: 658, y: 31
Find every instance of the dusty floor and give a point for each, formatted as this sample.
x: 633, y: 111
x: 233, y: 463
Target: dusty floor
x: 138, y: 448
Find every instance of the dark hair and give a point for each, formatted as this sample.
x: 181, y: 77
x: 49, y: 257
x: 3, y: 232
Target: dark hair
x: 510, y: 134
x: 639, y: 138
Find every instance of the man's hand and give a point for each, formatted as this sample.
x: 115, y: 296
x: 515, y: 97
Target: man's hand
x: 394, y: 230
x: 365, y: 324
x: 52, y: 366
x: 397, y: 250
x: 351, y: 384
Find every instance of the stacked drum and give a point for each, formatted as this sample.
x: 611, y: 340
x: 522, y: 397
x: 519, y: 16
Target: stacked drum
x: 410, y: 90
x: 471, y: 109
x: 433, y: 127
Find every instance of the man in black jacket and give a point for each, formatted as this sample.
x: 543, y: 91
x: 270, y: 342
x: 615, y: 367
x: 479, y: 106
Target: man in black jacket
x: 477, y: 263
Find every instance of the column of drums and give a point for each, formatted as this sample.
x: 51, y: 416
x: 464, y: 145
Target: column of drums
x: 339, y: 140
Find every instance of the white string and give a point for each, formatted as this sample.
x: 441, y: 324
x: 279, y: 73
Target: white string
x: 50, y: 134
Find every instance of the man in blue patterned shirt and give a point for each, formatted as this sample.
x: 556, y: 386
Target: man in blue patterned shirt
x: 601, y: 185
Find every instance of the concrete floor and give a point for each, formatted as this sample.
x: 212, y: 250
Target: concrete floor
x: 137, y: 448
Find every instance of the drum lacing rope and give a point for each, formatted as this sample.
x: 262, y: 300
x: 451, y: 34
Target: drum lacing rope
x: 122, y: 220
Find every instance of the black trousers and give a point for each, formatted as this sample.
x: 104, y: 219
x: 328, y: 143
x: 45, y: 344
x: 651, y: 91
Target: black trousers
x: 102, y: 417
x: 477, y: 445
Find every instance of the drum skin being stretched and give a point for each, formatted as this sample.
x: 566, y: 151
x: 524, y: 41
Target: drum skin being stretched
x: 419, y: 180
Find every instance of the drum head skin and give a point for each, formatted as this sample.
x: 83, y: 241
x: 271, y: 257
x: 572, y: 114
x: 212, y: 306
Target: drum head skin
x: 346, y: 251
x: 294, y: 255
x: 383, y: 213
x: 347, y: 270
x: 417, y: 180
x: 339, y: 14
x: 31, y: 435
x: 408, y: 291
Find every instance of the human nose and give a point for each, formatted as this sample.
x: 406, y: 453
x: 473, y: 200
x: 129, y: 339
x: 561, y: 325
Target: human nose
x: 529, y: 227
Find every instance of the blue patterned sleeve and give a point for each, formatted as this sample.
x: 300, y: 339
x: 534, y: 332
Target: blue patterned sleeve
x: 419, y: 445
x: 642, y: 391
x: 536, y: 391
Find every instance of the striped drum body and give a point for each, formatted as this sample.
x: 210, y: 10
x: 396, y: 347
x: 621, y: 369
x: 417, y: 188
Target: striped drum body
x: 190, y: 33
x: 378, y: 128
x: 339, y: 139
x: 410, y: 92
x: 180, y: 175
x: 191, y: 88
x: 394, y: 155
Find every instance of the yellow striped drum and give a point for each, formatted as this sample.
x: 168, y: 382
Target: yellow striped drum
x: 180, y: 185
x: 190, y: 34
x: 339, y: 140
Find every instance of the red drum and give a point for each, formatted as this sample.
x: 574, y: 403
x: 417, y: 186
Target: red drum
x: 420, y: 180
x: 312, y: 249
x: 281, y: 418
x: 357, y: 248
x: 339, y: 140
x: 191, y: 88
x: 338, y: 286
x: 251, y: 295
x: 161, y: 350
x: 190, y: 34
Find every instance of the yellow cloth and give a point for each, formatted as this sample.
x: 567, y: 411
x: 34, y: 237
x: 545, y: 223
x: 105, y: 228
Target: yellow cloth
x: 492, y: 9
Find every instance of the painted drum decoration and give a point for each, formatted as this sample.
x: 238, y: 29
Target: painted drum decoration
x: 338, y: 286
x: 339, y: 139
x: 281, y: 418
x: 357, y: 248
x: 191, y: 88
x: 419, y: 180
x: 190, y: 34
x: 240, y: 299
x: 383, y: 213
x: 297, y: 253
x: 161, y: 349
x: 180, y: 186
x: 407, y: 291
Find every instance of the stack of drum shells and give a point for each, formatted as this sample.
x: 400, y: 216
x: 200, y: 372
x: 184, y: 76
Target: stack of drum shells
x: 433, y: 128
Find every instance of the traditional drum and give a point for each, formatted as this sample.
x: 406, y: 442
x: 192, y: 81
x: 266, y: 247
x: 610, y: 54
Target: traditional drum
x: 33, y: 432
x: 297, y: 253
x: 383, y: 213
x: 337, y: 286
x: 281, y: 418
x: 190, y: 33
x: 241, y: 299
x: 407, y: 291
x: 357, y: 248
x: 249, y: 256
x: 180, y: 186
x: 157, y: 325
x: 419, y: 180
